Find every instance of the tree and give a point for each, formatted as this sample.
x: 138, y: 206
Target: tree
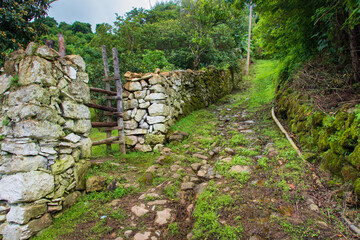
x: 17, y: 25
x: 84, y: 28
x: 198, y: 18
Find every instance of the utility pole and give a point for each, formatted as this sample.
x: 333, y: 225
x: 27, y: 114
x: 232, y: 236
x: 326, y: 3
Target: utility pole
x: 248, y: 54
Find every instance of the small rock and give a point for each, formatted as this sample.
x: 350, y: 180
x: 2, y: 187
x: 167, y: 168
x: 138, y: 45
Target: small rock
x: 202, y: 173
x: 240, y: 169
x: 176, y: 175
x: 119, y: 238
x: 203, y: 162
x: 151, y: 195
x: 200, y: 156
x: 194, y: 179
x: 162, y: 217
x: 230, y: 151
x: 324, y: 224
x: 139, y: 210
x: 314, y: 207
x: 195, y: 166
x: 187, y: 186
x: 152, y: 169
x: 128, y: 233
x: 142, y: 236
x: 226, y: 160
x: 190, y: 235
x: 157, y: 202
x: 174, y: 168
x: 95, y: 183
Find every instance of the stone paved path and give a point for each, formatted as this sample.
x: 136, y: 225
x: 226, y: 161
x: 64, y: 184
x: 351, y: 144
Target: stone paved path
x: 270, y: 204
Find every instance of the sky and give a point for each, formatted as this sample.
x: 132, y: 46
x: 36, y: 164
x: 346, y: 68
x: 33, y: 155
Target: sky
x: 93, y: 11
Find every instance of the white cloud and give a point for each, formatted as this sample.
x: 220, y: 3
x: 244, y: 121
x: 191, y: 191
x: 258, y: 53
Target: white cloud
x: 93, y: 11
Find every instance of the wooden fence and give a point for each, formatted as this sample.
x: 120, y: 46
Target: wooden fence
x: 109, y: 110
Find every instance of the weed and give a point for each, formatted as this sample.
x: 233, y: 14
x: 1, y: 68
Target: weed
x: 207, y: 225
x: 172, y: 190
x: 173, y: 228
x: 238, y: 140
x: 263, y: 162
x: 6, y: 121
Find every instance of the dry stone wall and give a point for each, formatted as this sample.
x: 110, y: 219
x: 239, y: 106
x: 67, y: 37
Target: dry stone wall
x: 44, y: 129
x: 154, y: 101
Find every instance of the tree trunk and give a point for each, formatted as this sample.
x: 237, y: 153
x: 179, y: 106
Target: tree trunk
x: 354, y: 54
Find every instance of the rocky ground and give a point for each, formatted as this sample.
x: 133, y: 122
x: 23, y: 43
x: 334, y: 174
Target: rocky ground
x: 228, y: 173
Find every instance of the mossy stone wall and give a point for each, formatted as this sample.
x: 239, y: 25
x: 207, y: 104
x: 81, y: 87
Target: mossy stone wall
x: 334, y: 137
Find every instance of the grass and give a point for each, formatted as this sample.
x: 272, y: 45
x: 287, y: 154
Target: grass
x: 90, y: 208
x: 207, y: 223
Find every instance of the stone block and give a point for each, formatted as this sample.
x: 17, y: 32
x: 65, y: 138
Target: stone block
x: 82, y: 126
x: 140, y: 114
x: 5, y: 83
x: 133, y: 86
x: 80, y: 91
x: 77, y: 60
x: 130, y: 125
x: 80, y: 170
x: 84, y: 77
x: 72, y: 138
x: 26, y: 149
x: 71, y: 199
x: 144, y: 105
x: 62, y: 164
x: 155, y: 96
x: 26, y: 187
x: 37, y: 130
x: 158, y: 110
x: 143, y: 148
x: 160, y: 128
x: 23, y: 213
x: 32, y: 93
x: 154, y: 139
x: 156, y: 79
x: 36, y: 70
x: 158, y: 88
x: 155, y: 119
x: 130, y: 104
x: 137, y: 131
x: 85, y: 147
x: 20, y: 163
x: 140, y: 94
x: 75, y: 111
x: 47, y: 53
x: 131, y: 140
x: 14, y: 231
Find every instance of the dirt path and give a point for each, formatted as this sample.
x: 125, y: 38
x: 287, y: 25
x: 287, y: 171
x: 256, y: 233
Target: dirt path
x: 230, y: 175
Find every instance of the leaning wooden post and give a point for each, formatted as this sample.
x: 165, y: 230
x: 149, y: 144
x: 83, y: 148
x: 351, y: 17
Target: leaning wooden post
x: 119, y: 105
x: 61, y: 45
x: 249, y: 41
x: 107, y: 87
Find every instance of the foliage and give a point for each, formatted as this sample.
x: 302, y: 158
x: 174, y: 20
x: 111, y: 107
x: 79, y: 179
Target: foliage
x: 298, y: 31
x: 153, y: 59
x: 17, y: 25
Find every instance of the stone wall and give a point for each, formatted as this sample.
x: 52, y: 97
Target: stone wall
x: 154, y: 101
x: 332, y: 137
x: 44, y: 129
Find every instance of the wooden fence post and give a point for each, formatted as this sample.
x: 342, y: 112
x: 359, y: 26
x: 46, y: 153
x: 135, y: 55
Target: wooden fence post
x: 107, y: 87
x: 119, y: 106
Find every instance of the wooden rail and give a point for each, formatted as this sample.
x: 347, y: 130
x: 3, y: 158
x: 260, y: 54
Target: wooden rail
x: 110, y: 111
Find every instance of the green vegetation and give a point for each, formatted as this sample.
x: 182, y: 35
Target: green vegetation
x: 207, y: 219
x: 92, y: 208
